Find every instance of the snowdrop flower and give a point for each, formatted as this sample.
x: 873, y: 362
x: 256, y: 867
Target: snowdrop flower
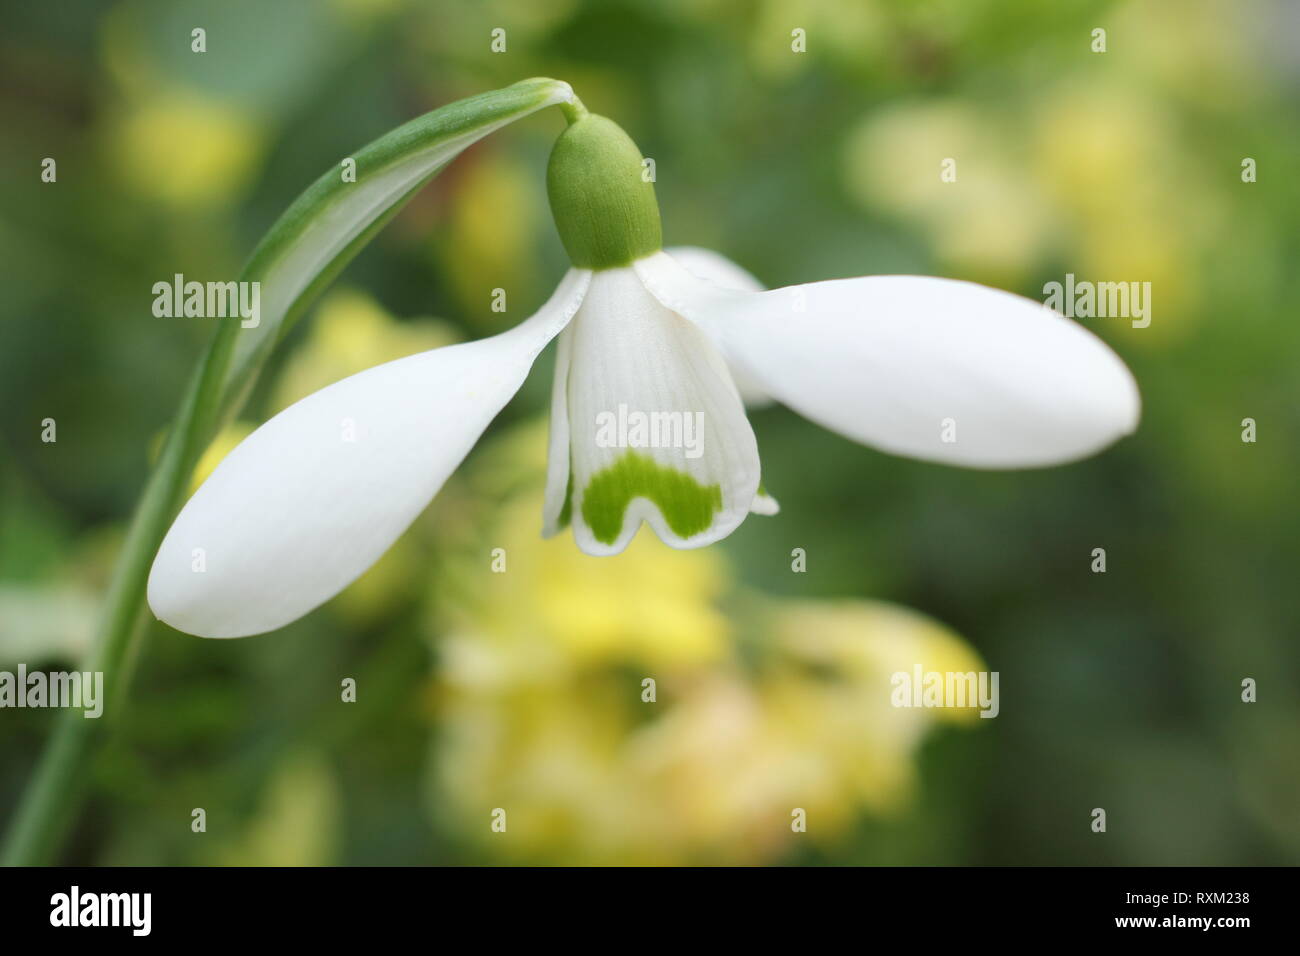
x: 647, y: 422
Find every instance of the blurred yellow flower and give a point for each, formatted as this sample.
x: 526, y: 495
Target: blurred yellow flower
x: 1100, y: 193
x: 1212, y: 34
x: 487, y: 241
x: 186, y: 149
x: 1111, y: 163
x: 988, y: 223
x: 653, y: 606
x: 541, y: 698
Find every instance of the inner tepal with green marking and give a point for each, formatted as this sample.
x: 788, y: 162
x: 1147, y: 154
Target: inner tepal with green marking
x: 627, y: 349
x: 686, y: 505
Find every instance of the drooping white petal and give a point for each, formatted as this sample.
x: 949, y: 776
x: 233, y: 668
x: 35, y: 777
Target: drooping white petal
x: 656, y: 429
x: 312, y: 498
x: 718, y: 269
x: 936, y: 369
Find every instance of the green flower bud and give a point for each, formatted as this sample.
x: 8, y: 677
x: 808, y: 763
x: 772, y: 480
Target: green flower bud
x: 604, y: 210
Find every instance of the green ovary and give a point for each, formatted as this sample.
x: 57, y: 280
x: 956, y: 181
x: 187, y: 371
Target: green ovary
x: 686, y: 505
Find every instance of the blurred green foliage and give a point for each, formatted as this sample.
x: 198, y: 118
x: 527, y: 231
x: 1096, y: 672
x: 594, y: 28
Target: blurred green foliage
x: 1119, y: 690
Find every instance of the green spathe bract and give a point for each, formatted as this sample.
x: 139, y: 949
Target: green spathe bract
x: 686, y: 505
x: 604, y: 208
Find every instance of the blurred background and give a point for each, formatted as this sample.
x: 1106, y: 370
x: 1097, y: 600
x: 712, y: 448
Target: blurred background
x: 522, y: 690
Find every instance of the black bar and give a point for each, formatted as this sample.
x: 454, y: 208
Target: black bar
x: 334, y: 905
